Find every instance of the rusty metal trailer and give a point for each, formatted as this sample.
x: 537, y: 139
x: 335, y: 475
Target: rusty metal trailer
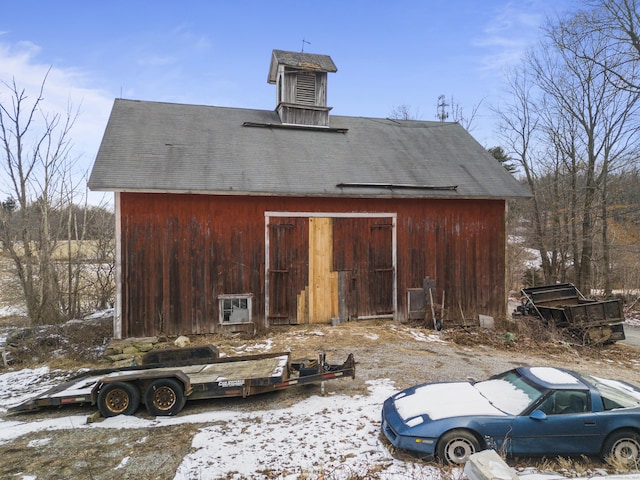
x: 562, y: 305
x: 175, y: 376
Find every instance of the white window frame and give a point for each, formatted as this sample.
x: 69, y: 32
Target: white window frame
x: 233, y: 299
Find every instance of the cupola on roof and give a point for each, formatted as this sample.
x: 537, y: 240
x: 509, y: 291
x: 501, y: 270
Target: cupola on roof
x: 301, y: 80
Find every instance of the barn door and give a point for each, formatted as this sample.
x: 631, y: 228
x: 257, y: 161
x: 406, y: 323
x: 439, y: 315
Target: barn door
x: 288, y: 258
x: 323, y: 267
x: 363, y: 256
x: 381, y: 270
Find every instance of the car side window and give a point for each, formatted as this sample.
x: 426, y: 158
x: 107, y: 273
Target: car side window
x: 565, y: 401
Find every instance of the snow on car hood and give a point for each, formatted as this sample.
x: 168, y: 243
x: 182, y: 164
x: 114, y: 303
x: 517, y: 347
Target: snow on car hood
x: 443, y: 400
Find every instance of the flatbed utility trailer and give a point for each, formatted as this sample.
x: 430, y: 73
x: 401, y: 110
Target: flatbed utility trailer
x: 179, y: 375
x: 565, y: 307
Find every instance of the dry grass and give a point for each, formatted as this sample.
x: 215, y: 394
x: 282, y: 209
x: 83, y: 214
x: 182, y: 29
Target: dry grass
x: 573, y: 467
x: 88, y: 453
x: 528, y: 334
x: 64, y: 250
x: 67, y: 346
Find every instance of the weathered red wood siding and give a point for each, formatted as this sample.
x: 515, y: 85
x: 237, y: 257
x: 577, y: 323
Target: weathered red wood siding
x: 179, y: 252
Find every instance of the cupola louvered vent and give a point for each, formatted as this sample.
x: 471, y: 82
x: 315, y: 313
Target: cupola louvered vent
x: 306, y: 88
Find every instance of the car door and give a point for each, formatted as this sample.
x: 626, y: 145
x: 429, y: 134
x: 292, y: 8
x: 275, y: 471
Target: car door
x: 564, y: 424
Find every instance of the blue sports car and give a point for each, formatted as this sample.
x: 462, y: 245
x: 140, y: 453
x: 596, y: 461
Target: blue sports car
x: 528, y: 411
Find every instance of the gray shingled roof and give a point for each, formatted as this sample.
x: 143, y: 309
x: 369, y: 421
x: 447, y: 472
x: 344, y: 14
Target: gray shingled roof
x: 300, y: 60
x: 164, y: 147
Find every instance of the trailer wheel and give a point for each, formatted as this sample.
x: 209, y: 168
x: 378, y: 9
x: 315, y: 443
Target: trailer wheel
x: 119, y: 398
x: 164, y: 396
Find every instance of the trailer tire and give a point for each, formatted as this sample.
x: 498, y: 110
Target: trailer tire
x: 118, y: 398
x: 164, y: 397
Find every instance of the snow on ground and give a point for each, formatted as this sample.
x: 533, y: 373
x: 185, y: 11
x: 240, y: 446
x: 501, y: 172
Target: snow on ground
x: 266, y: 346
x: 18, y: 386
x: 9, y: 310
x: 319, y: 437
x: 632, y: 320
x: 332, y: 435
x: 418, y: 335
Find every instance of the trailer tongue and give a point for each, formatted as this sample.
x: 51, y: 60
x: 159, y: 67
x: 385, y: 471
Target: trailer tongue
x: 176, y: 376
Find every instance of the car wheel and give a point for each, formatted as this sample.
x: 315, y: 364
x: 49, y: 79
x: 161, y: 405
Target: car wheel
x: 118, y: 398
x: 455, y: 447
x: 164, y: 396
x: 622, y: 446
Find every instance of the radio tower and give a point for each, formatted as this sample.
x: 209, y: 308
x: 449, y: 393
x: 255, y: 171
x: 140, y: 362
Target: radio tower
x: 442, y: 113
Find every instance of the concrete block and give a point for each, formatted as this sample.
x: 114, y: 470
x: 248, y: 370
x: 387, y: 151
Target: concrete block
x: 486, y: 322
x: 487, y: 465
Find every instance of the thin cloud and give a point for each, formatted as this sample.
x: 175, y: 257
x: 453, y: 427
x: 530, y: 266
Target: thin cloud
x: 508, y: 34
x: 193, y: 40
x: 64, y: 89
x: 514, y: 28
x: 157, y: 61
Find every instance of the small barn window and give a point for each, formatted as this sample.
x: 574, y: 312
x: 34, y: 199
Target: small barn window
x: 235, y: 308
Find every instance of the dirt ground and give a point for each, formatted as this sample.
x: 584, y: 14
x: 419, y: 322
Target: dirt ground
x: 406, y: 354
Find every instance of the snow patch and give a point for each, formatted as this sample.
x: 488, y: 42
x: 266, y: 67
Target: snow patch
x: 39, y: 442
x: 266, y: 346
x: 123, y: 463
x: 554, y: 376
x: 21, y: 385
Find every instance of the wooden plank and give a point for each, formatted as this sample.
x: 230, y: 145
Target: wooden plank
x: 323, y: 288
x: 302, y: 315
x: 250, y: 369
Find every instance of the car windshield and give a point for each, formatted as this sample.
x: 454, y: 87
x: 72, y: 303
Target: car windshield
x: 615, y: 394
x: 509, y: 392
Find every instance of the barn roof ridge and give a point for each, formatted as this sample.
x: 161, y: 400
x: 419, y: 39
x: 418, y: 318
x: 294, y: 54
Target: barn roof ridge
x: 163, y: 146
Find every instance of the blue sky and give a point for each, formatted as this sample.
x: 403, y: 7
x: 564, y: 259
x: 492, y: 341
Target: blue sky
x: 388, y: 53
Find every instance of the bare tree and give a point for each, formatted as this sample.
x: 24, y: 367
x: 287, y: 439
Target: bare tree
x: 101, y: 279
x: 619, y: 22
x: 580, y: 91
x: 37, y: 163
x: 446, y: 110
x: 404, y: 112
x: 519, y: 121
x: 570, y: 126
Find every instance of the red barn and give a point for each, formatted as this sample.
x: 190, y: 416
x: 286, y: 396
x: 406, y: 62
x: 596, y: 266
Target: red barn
x: 240, y: 219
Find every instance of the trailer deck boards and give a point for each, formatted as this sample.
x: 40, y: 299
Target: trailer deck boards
x: 215, y: 372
